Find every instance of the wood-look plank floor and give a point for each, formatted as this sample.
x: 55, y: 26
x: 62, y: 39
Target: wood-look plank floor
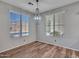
x: 40, y: 50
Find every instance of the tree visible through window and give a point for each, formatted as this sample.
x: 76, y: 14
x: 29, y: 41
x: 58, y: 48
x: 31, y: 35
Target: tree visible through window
x: 55, y: 24
x: 19, y: 24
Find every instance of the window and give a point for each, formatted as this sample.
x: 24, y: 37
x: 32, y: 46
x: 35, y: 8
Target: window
x: 19, y: 24
x: 54, y: 24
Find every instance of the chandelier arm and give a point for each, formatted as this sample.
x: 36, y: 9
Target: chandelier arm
x: 37, y: 2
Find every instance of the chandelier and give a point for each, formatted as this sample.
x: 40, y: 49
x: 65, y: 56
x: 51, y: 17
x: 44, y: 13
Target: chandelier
x: 37, y: 13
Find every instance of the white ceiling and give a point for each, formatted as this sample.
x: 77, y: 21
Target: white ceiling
x: 44, y: 5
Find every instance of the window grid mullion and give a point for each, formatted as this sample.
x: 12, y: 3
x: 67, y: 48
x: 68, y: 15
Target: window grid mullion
x: 54, y: 25
x: 20, y: 25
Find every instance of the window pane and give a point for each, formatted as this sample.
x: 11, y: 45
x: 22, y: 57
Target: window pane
x: 49, y: 32
x: 49, y: 29
x: 59, y: 18
x: 49, y: 19
x: 59, y: 30
x: 25, y: 25
x: 49, y: 24
x: 15, y: 24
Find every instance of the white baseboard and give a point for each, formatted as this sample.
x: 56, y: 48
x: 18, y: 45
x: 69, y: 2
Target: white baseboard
x: 61, y: 46
x: 15, y: 47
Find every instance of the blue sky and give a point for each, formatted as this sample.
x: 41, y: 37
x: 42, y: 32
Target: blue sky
x: 16, y: 17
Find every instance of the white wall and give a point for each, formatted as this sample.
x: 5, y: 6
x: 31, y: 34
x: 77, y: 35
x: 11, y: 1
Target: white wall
x: 71, y: 24
x: 6, y: 42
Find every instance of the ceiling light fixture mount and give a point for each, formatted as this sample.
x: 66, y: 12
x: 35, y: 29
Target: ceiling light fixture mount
x: 30, y: 3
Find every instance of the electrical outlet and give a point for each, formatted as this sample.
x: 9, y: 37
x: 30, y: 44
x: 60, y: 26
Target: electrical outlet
x: 24, y: 40
x: 55, y: 40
